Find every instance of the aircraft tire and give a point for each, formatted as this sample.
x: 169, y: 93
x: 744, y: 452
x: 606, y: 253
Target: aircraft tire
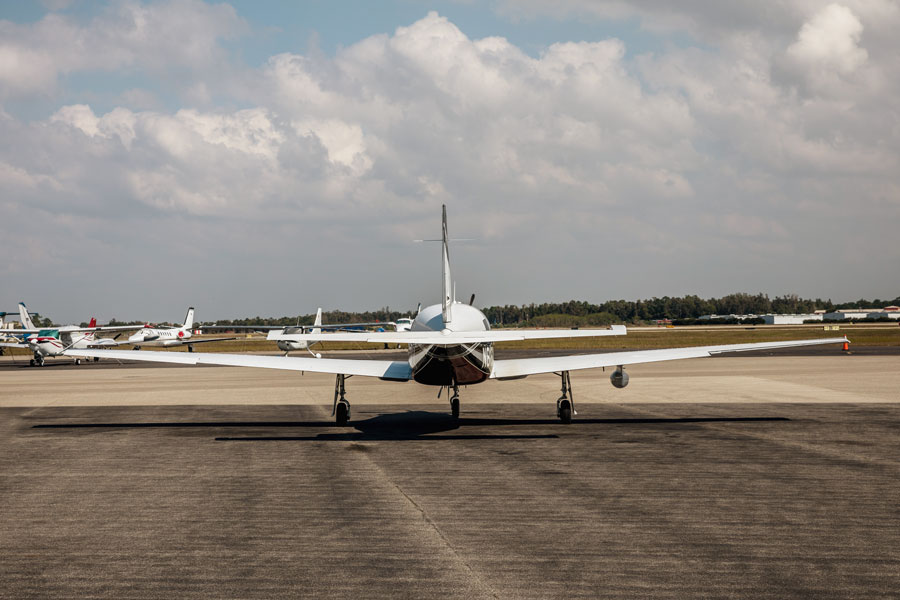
x: 565, y: 411
x: 342, y: 413
x: 454, y: 407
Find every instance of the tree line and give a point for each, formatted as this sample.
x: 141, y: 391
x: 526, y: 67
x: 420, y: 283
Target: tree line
x: 572, y: 313
x: 682, y: 308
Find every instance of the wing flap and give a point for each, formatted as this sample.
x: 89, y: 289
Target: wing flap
x: 504, y: 369
x: 384, y: 369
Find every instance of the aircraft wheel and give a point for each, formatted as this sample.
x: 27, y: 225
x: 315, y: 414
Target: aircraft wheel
x: 565, y: 411
x: 96, y: 359
x: 77, y: 361
x: 454, y: 407
x: 32, y: 362
x: 342, y: 413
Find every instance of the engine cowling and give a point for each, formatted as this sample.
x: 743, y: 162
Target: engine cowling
x: 619, y: 378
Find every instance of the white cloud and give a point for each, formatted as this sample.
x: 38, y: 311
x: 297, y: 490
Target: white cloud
x: 582, y: 159
x: 171, y: 36
x: 830, y: 40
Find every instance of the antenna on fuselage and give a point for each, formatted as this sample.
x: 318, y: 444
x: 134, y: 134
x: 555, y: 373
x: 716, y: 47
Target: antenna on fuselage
x: 447, y: 300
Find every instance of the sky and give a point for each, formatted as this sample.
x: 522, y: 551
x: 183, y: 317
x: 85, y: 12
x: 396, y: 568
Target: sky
x: 266, y: 158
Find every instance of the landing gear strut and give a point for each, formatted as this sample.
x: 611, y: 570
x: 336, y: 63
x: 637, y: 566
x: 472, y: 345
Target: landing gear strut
x: 38, y: 360
x: 565, y: 405
x: 341, y: 408
x: 454, y: 401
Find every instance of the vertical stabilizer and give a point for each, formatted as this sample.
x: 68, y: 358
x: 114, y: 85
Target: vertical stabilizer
x: 189, y: 319
x: 317, y: 324
x: 25, y: 318
x: 447, y: 299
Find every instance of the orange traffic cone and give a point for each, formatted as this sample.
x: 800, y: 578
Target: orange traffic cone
x: 846, y: 347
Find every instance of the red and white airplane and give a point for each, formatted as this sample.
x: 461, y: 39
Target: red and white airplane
x: 50, y: 341
x: 169, y: 336
x: 452, y: 344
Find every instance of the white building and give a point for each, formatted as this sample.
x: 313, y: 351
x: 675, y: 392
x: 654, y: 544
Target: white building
x: 863, y: 313
x: 790, y: 319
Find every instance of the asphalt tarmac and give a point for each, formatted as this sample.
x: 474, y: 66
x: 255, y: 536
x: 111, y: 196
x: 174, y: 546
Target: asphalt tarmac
x: 731, y: 493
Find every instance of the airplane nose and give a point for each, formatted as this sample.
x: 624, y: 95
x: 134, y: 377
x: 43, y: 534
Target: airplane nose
x: 135, y: 337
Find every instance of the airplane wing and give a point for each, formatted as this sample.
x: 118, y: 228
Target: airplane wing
x: 13, y: 345
x: 383, y: 369
x: 445, y: 337
x: 521, y: 367
x: 325, y: 327
x: 400, y: 370
x: 20, y: 331
x: 190, y: 341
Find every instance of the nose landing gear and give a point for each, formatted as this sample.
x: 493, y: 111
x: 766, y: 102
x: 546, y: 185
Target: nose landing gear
x: 454, y: 401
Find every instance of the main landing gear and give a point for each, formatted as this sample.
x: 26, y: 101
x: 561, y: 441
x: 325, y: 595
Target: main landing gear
x: 38, y: 360
x: 341, y: 408
x: 565, y: 405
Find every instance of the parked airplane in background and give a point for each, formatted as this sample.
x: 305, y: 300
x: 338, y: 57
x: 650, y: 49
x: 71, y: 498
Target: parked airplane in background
x: 50, y: 341
x: 289, y: 345
x: 4, y: 325
x: 169, y: 336
x: 451, y: 344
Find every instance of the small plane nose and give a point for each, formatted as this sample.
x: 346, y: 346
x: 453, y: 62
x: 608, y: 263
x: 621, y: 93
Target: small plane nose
x: 135, y: 337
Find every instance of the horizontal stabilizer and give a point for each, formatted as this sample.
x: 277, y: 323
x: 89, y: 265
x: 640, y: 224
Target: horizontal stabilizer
x: 445, y: 337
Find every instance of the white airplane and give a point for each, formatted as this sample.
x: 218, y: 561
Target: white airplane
x: 6, y: 337
x: 289, y: 345
x: 169, y: 336
x: 451, y: 344
x: 49, y: 341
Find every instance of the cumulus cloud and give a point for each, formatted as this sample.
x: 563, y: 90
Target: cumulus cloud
x: 170, y: 36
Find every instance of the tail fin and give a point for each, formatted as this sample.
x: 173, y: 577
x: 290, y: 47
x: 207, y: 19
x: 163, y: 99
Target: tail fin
x: 189, y: 318
x: 25, y: 318
x: 93, y: 322
x: 318, y: 322
x: 447, y: 298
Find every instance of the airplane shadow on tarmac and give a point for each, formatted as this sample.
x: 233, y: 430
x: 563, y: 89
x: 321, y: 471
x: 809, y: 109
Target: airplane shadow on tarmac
x: 405, y: 426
